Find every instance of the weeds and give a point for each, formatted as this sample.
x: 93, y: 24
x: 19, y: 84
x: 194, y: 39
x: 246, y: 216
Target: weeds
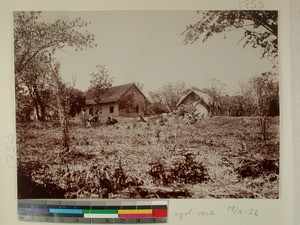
x: 219, y: 157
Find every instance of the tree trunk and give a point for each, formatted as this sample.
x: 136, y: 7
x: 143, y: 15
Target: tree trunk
x: 43, y: 111
x: 40, y: 105
x: 62, y: 110
x: 65, y: 131
x: 37, y: 111
x: 35, y: 101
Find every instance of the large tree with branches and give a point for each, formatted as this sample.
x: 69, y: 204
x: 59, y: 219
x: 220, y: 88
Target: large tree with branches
x: 35, y: 42
x: 259, y: 28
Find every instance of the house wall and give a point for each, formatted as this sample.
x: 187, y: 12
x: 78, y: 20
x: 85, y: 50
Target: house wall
x: 201, y: 110
x: 133, y: 103
x: 103, y: 110
x: 200, y: 106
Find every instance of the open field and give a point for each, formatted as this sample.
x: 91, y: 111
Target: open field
x: 219, y: 157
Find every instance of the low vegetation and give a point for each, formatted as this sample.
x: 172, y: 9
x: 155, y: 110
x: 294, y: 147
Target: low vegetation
x: 219, y: 157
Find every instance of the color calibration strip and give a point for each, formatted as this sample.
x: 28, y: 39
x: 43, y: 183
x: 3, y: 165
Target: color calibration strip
x: 93, y: 211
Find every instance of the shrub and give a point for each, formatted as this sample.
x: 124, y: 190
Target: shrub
x: 156, y: 109
x: 120, y: 178
x: 186, y: 171
x: 159, y: 173
x: 254, y: 169
x: 189, y: 171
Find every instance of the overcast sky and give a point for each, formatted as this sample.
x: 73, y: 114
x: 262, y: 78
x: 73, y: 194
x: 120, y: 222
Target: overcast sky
x: 146, y: 47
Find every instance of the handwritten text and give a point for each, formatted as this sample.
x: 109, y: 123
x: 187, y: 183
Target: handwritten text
x: 191, y: 212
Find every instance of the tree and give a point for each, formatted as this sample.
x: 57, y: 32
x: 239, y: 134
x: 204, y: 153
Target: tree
x: 24, y: 107
x: 77, y: 101
x: 248, y: 101
x: 169, y: 94
x: 259, y: 28
x: 99, y: 83
x: 35, y: 81
x: 216, y: 92
x: 35, y: 43
x: 33, y: 37
x: 265, y: 91
x: 62, y: 95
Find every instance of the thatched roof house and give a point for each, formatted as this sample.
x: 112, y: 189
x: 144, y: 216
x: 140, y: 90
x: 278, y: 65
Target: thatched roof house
x: 199, y: 100
x: 122, y: 100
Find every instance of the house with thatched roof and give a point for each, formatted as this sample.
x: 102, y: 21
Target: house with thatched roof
x: 199, y: 101
x: 123, y: 100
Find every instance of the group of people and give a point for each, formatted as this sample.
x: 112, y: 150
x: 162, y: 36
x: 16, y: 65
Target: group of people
x: 94, y: 120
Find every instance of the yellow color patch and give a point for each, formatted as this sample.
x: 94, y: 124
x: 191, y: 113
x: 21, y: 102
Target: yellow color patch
x: 134, y: 211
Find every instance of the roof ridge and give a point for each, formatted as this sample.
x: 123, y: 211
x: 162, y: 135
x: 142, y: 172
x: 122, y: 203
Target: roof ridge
x: 114, y: 93
x: 132, y: 83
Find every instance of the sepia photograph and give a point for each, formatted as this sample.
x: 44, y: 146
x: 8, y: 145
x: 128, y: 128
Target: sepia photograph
x: 147, y: 104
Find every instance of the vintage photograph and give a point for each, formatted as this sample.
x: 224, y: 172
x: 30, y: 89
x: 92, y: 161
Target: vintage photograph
x: 147, y: 104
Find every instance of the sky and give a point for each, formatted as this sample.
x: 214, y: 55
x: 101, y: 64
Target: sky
x: 147, y: 47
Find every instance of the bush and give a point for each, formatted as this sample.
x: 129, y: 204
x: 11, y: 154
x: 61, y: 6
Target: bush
x: 156, y: 109
x: 159, y: 173
x: 189, y: 171
x: 120, y: 178
x: 254, y: 169
x: 186, y: 171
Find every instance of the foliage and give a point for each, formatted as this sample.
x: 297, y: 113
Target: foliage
x: 99, y: 83
x: 160, y: 173
x: 259, y: 28
x: 265, y: 92
x: 24, y: 108
x: 184, y: 170
x: 235, y: 105
x: 215, y: 91
x: 115, y: 161
x: 156, y: 108
x: 77, y: 101
x: 34, y: 37
x: 35, y: 44
x: 188, y: 171
x: 169, y: 94
x: 35, y: 82
x: 254, y: 169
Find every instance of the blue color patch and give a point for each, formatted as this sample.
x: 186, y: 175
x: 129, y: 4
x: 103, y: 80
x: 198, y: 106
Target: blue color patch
x: 66, y: 211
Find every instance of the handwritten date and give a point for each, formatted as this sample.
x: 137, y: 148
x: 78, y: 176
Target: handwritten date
x: 236, y: 210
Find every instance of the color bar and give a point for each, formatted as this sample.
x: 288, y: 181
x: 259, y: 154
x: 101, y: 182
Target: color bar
x: 90, y: 212
x: 159, y: 203
x: 104, y: 216
x: 40, y: 210
x: 100, y: 211
x: 135, y: 211
x: 138, y: 215
x: 160, y: 213
x: 66, y: 211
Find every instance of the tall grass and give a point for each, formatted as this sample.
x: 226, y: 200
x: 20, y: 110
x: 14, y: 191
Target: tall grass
x: 221, y: 157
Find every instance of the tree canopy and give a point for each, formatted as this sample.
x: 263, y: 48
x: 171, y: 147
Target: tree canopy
x: 36, y: 38
x: 35, y: 44
x: 259, y: 28
x: 99, y: 83
x: 169, y: 94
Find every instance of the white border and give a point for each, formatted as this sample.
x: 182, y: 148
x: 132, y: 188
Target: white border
x: 273, y: 212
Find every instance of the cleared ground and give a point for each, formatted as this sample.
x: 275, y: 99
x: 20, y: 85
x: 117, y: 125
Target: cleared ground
x: 220, y: 157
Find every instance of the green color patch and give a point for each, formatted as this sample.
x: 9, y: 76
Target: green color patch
x: 100, y: 211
